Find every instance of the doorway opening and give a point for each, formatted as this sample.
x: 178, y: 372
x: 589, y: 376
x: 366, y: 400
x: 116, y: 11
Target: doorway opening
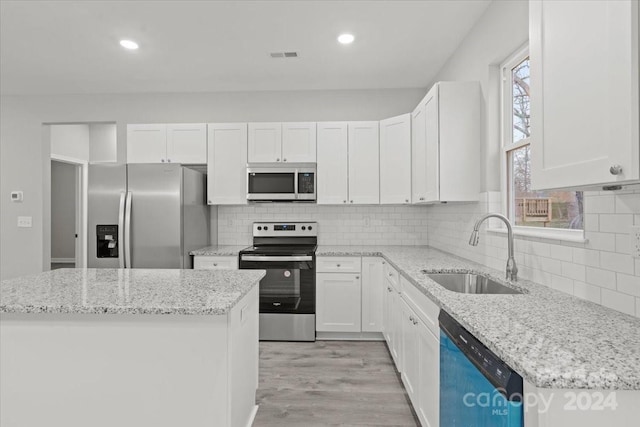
x: 66, y: 215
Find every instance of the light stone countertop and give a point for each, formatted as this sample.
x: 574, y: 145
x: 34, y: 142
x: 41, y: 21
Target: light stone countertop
x: 554, y: 340
x: 222, y: 250
x: 128, y: 291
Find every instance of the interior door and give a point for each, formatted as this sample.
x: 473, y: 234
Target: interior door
x: 156, y: 216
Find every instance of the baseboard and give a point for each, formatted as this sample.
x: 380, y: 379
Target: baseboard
x: 63, y: 260
x: 349, y: 336
x: 252, y: 418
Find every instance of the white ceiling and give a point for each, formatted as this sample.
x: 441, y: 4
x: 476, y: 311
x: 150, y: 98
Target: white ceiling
x: 56, y: 47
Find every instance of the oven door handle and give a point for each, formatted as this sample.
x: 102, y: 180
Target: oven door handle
x: 276, y: 258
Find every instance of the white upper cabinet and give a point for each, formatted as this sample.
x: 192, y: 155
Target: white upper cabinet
x: 332, y: 168
x: 170, y: 143
x: 282, y: 142
x: 364, y: 163
x: 395, y: 160
x: 146, y: 143
x: 418, y: 155
x: 227, y: 164
x: 584, y: 93
x: 187, y: 143
x: 446, y: 144
x: 265, y: 143
x: 299, y: 142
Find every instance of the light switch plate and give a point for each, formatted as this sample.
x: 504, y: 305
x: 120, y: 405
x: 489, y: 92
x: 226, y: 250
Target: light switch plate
x: 635, y: 241
x: 17, y: 196
x: 24, y: 221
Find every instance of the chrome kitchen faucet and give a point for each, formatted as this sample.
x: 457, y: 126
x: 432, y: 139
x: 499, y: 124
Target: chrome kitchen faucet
x: 512, y: 268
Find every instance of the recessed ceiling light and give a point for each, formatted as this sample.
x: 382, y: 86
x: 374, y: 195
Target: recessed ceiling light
x: 346, y: 38
x: 129, y: 44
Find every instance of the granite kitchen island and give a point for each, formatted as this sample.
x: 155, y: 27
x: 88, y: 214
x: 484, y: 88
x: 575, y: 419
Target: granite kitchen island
x: 105, y: 347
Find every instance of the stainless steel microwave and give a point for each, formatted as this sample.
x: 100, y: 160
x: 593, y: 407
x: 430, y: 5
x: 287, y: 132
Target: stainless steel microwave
x: 279, y: 183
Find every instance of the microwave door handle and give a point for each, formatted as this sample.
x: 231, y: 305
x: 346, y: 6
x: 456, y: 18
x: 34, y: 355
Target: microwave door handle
x: 267, y: 258
x: 295, y: 184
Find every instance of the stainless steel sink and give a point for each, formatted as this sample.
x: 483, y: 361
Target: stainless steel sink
x: 469, y: 283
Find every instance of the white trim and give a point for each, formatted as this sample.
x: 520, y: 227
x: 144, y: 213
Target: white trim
x: 63, y: 260
x: 252, y: 417
x: 575, y: 236
x: 81, y: 203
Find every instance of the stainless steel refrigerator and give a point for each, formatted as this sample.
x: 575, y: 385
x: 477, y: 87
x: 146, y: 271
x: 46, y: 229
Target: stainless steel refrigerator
x: 145, y: 216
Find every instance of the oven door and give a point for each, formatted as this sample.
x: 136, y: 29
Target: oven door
x: 271, y: 184
x: 289, y: 285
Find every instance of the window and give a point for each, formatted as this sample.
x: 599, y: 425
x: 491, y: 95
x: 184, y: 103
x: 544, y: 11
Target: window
x: 526, y: 207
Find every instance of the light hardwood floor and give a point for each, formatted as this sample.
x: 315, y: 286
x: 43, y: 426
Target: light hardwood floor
x: 330, y: 383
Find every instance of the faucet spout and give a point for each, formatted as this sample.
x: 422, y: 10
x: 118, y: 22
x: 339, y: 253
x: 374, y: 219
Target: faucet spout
x: 512, y: 268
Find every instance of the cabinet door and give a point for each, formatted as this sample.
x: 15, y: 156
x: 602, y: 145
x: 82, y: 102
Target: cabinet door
x: 428, y: 406
x: 338, y: 302
x: 432, y: 145
x: 395, y: 160
x: 584, y: 111
x: 265, y: 143
x: 187, y: 143
x: 227, y: 164
x: 396, y: 328
x: 387, y: 320
x: 372, y: 287
x: 333, y: 178
x: 418, y: 155
x: 205, y: 262
x: 364, y: 163
x: 146, y: 143
x: 410, y: 356
x: 299, y: 142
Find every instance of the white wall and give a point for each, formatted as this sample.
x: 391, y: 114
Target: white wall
x: 600, y: 270
x: 63, y: 210
x: 25, y: 151
x: 337, y: 225
x: 70, y: 141
x: 103, y: 142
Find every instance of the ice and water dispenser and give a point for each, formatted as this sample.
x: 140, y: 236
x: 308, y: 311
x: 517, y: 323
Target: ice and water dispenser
x: 107, y: 241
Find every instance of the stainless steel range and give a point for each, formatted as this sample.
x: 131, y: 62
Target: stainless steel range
x: 287, y: 251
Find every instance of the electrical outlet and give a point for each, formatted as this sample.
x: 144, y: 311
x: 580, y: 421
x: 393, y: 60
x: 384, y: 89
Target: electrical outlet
x: 366, y: 221
x: 24, y: 221
x: 635, y: 241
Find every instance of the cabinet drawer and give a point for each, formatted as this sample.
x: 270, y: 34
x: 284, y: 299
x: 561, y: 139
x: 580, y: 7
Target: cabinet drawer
x: 215, y: 263
x: 426, y: 309
x: 391, y: 274
x: 338, y: 264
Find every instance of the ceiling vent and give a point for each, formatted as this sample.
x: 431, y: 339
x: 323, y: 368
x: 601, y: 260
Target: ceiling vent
x: 284, y: 54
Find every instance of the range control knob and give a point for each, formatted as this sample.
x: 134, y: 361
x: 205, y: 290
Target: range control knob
x: 259, y: 228
x: 310, y: 228
x: 304, y: 228
x: 266, y: 228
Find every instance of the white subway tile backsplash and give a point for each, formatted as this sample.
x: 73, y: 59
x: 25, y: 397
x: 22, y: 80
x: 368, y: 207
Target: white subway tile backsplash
x: 622, y: 263
x: 618, y: 301
x: 601, y: 278
x: 587, y: 291
x: 628, y: 284
x: 337, y: 225
x: 600, y: 270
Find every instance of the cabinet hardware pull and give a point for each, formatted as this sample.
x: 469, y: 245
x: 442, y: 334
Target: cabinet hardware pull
x: 615, y: 170
x: 162, y: 160
x: 344, y: 201
x: 390, y: 274
x: 215, y: 264
x: 168, y: 160
x: 357, y: 277
x: 351, y: 201
x: 284, y: 160
x: 337, y: 265
x: 278, y: 159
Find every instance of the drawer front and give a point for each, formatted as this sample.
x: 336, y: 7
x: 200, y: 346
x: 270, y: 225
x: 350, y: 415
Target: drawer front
x: 391, y: 274
x: 426, y: 309
x: 215, y: 263
x: 338, y: 264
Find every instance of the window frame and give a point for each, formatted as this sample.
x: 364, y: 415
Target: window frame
x: 506, y: 146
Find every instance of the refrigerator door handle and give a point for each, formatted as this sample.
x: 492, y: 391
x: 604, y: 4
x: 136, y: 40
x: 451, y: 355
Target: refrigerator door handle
x: 121, y: 229
x: 127, y: 231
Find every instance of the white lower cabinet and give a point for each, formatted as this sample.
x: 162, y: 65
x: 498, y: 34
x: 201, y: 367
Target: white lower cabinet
x: 420, y: 354
x: 392, y: 316
x: 338, y: 302
x: 372, y: 287
x: 214, y: 262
